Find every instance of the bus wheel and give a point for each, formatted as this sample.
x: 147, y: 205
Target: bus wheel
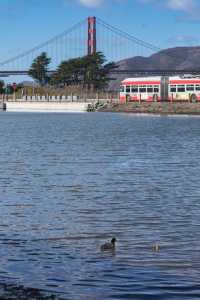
x: 193, y: 98
x: 155, y: 98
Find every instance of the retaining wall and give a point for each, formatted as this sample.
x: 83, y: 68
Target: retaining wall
x: 47, y: 106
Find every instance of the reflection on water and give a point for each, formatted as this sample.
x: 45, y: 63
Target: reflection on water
x: 69, y: 182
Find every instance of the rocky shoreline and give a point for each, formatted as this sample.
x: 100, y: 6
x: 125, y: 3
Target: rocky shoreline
x: 162, y: 108
x: 12, y: 292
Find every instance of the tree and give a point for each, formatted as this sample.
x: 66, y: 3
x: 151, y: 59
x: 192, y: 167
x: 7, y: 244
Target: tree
x: 9, y: 89
x: 39, y: 68
x: 1, y: 87
x: 68, y: 73
x: 90, y: 71
x: 97, y: 72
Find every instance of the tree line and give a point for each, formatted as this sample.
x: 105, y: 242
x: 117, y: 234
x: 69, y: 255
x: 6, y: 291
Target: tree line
x: 8, y: 89
x: 90, y: 71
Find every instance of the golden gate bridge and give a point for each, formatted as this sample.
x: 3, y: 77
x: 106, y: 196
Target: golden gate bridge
x: 88, y: 37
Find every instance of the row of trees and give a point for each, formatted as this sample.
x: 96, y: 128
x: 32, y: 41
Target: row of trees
x: 90, y: 71
x: 8, y: 89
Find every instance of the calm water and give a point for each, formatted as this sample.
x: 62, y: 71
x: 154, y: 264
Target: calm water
x: 69, y: 182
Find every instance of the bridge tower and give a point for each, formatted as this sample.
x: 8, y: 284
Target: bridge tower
x: 92, y: 38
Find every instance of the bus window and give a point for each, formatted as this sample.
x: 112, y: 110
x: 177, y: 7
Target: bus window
x: 173, y: 88
x: 122, y: 89
x: 150, y: 89
x: 189, y: 87
x: 197, y: 87
x: 134, y: 89
x: 142, y: 89
x: 181, y: 88
x: 156, y: 89
x: 128, y: 88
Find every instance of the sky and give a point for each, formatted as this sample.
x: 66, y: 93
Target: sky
x: 164, y: 23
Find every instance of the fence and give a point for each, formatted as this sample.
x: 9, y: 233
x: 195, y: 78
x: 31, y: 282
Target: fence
x: 102, y: 97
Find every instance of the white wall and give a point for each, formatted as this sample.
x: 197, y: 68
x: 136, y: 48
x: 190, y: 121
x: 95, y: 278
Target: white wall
x: 46, y: 106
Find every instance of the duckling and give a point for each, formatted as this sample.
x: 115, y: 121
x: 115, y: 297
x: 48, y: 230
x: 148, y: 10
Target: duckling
x: 109, y: 246
x: 156, y: 247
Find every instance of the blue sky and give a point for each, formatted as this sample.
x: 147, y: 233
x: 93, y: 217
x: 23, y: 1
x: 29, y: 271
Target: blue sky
x: 165, y: 23
x: 25, y: 23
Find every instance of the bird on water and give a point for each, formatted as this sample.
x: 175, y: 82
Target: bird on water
x: 156, y: 247
x: 109, y: 246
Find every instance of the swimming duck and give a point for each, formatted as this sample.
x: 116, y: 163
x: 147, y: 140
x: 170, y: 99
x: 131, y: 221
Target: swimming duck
x: 156, y: 247
x: 109, y: 246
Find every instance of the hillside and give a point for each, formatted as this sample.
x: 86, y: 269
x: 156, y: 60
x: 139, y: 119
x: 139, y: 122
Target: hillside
x: 179, y: 58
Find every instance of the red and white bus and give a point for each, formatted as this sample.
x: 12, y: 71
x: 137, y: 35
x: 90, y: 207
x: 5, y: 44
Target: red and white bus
x: 160, y: 88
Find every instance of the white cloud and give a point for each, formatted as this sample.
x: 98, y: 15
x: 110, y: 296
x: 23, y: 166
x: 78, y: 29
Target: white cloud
x: 97, y: 3
x: 182, y: 5
x: 189, y: 40
x: 91, y: 3
x: 190, y: 8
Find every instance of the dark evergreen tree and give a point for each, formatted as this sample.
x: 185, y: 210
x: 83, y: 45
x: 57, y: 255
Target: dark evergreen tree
x: 39, y: 69
x: 89, y: 71
x: 68, y: 73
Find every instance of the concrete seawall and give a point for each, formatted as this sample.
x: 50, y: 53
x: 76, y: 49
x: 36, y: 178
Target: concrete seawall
x: 39, y: 106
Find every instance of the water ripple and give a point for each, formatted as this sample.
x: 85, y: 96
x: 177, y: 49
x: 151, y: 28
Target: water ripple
x: 69, y: 182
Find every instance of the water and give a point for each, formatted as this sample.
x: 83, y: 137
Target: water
x: 70, y: 182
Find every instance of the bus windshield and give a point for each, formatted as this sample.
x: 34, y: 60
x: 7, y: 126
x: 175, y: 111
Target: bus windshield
x: 122, y: 89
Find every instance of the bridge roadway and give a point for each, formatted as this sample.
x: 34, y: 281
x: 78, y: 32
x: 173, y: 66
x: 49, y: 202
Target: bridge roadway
x: 142, y: 72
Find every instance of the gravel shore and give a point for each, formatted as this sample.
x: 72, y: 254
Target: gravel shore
x: 155, y: 108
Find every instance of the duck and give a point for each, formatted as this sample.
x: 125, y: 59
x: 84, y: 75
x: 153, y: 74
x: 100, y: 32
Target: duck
x: 156, y: 247
x: 109, y: 246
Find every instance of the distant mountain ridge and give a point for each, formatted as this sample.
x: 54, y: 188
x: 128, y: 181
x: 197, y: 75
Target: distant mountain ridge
x: 178, y: 58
